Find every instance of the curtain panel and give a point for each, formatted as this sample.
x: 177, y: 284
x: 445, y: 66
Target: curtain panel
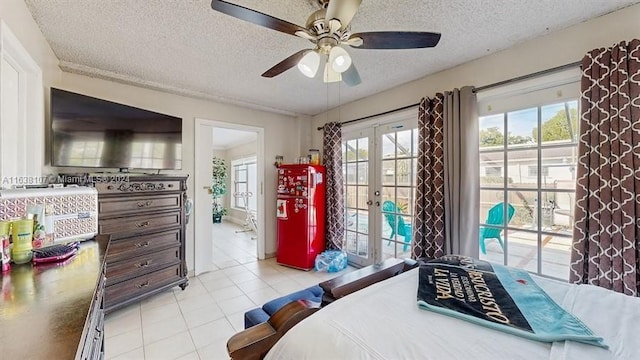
x: 606, y: 244
x: 462, y: 171
x: 429, y: 232
x: 332, y: 156
x: 447, y: 190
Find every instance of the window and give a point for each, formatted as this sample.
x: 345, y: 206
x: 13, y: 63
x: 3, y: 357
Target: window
x: 244, y: 180
x: 528, y: 157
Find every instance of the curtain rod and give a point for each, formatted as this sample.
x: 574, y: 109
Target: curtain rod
x: 478, y: 89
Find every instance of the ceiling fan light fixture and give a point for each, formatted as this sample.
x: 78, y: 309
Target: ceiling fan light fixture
x: 309, y: 64
x: 330, y: 75
x: 339, y: 59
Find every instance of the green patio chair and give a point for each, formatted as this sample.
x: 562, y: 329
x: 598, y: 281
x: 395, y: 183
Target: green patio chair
x: 495, y: 217
x: 389, y: 209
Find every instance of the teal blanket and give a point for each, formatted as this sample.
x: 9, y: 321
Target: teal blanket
x: 498, y: 297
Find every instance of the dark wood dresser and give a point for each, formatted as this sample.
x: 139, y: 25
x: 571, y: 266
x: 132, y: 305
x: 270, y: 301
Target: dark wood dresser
x: 145, y: 219
x: 54, y: 311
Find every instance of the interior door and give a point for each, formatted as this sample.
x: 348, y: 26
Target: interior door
x: 379, y: 167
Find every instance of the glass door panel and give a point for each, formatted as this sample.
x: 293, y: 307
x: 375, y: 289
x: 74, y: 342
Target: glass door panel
x: 398, y: 142
x: 355, y: 157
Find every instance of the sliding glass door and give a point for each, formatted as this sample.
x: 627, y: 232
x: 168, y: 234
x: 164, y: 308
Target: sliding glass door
x: 379, y: 165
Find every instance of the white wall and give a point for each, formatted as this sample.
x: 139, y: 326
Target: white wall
x: 556, y: 49
x: 276, y: 127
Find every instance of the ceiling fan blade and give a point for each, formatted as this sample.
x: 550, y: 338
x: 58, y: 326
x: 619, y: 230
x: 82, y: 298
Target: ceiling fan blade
x: 256, y: 17
x: 396, y: 39
x: 351, y: 76
x: 286, y: 64
x: 342, y: 10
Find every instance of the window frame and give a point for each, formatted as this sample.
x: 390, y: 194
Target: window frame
x: 236, y: 164
x: 541, y: 192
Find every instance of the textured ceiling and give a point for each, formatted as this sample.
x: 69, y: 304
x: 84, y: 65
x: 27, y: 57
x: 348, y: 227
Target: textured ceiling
x: 185, y: 47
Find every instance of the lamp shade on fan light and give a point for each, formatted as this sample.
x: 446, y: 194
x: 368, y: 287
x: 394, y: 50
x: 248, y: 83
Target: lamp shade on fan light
x: 339, y: 59
x: 309, y: 64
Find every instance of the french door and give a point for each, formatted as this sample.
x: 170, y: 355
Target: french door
x: 379, y: 166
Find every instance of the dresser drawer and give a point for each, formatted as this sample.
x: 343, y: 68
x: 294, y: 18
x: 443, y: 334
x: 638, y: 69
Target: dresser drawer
x: 137, y: 186
x: 141, y: 285
x: 117, y: 206
x: 130, y: 268
x: 126, y: 248
x: 121, y: 227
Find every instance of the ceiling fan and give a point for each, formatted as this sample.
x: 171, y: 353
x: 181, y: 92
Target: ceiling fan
x: 328, y: 29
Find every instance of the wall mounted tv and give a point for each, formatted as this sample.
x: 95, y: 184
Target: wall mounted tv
x: 95, y: 133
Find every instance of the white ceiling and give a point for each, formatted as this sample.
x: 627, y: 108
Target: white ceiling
x: 224, y: 139
x: 185, y: 47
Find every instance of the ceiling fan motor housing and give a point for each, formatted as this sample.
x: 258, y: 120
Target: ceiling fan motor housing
x: 323, y: 3
x: 326, y: 39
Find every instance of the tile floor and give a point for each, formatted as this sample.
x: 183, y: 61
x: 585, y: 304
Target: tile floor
x: 197, y: 322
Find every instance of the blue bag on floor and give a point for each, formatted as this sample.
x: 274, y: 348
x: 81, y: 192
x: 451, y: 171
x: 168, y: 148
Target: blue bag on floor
x: 331, y: 261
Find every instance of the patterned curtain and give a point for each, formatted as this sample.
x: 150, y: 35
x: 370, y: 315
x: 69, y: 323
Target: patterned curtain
x: 428, y: 231
x: 447, y: 190
x: 332, y: 152
x: 606, y: 245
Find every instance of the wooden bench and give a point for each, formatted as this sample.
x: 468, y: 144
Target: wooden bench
x: 255, y: 342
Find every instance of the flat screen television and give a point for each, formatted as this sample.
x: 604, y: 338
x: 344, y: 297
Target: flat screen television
x: 95, y: 133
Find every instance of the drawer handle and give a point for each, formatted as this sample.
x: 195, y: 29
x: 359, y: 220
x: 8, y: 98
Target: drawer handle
x: 143, y: 285
x: 143, y: 224
x: 144, y: 264
x: 143, y: 245
x: 144, y: 204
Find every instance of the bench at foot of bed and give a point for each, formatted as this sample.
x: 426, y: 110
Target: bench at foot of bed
x: 255, y: 342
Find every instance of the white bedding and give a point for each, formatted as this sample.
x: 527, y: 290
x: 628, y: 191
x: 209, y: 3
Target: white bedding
x: 383, y: 321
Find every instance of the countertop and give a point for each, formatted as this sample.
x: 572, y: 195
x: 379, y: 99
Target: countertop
x: 43, y: 308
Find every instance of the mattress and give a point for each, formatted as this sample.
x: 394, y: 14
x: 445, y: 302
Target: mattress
x: 383, y: 321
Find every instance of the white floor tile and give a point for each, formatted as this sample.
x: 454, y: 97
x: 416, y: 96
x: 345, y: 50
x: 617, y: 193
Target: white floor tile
x: 215, y: 350
x: 171, y: 348
x: 236, y: 304
x: 123, y: 343
x: 237, y: 321
x: 191, y: 356
x: 226, y: 293
x: 163, y: 329
x: 262, y: 296
x: 196, y: 302
x: 160, y: 313
x: 217, y: 284
x: 203, y: 316
x: 136, y: 354
x: 206, y: 334
x: 252, y: 285
x: 164, y: 298
x: 122, y: 321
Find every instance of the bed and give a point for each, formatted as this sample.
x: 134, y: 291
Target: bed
x: 383, y: 321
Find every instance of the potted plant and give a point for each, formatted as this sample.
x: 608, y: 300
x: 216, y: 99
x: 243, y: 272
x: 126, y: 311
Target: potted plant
x: 218, y: 188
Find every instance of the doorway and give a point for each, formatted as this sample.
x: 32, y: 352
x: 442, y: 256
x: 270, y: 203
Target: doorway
x: 379, y: 166
x: 238, y: 238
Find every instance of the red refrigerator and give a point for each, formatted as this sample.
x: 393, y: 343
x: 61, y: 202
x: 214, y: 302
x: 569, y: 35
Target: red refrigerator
x: 300, y: 213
